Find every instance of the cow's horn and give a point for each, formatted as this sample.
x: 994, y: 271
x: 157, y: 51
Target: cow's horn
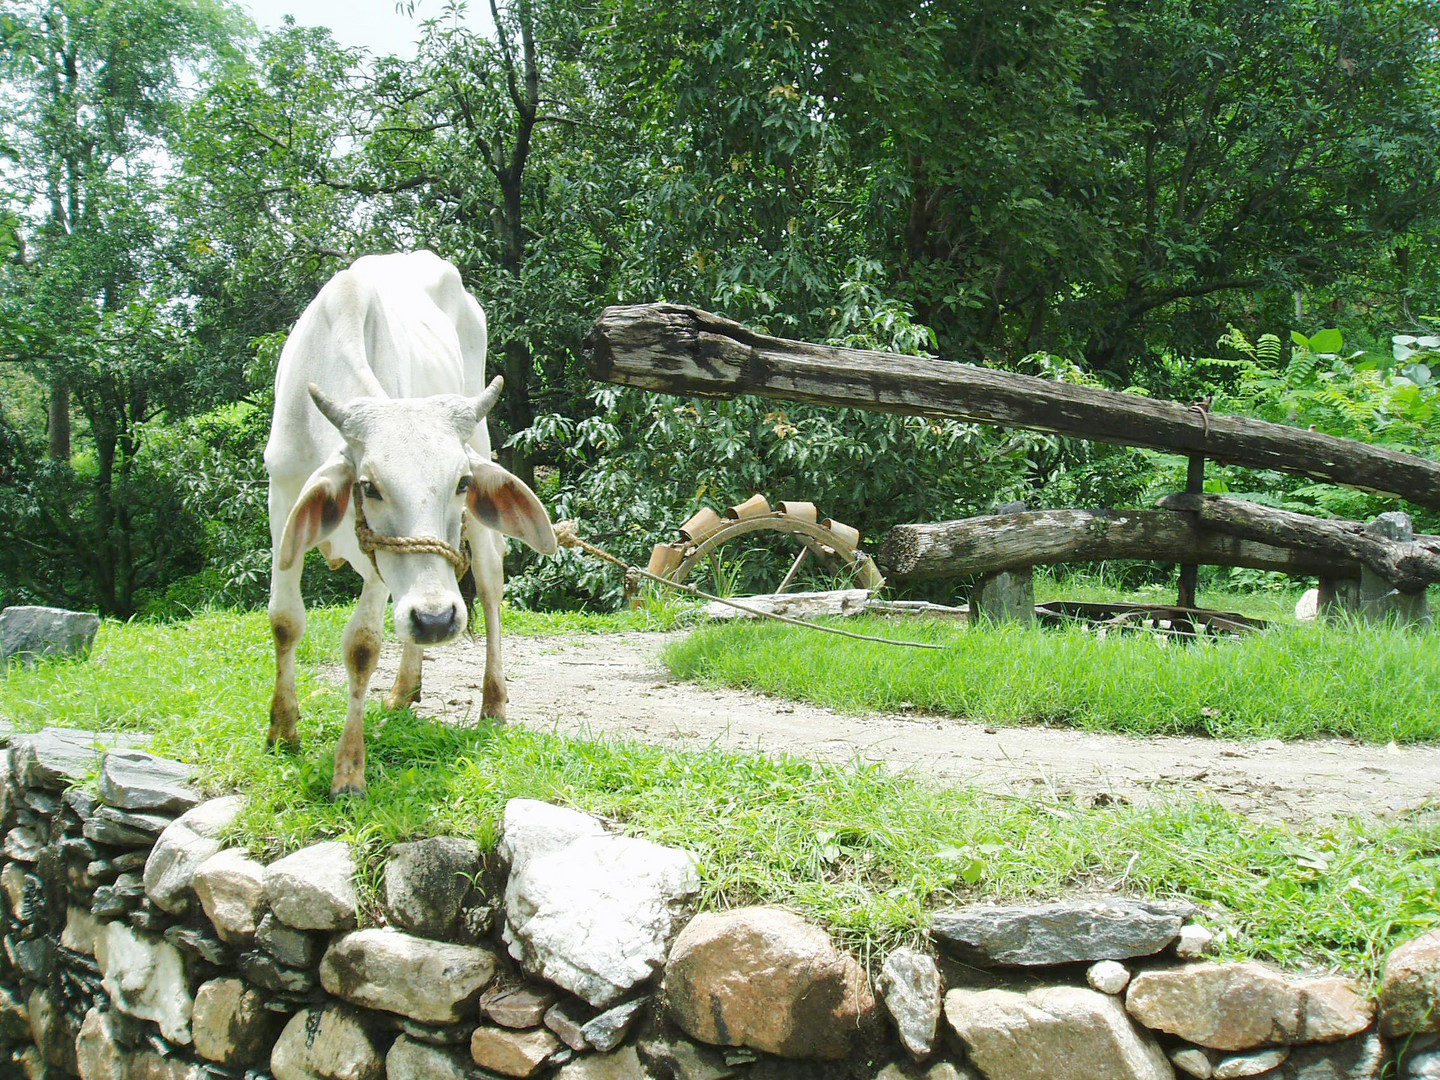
x: 331, y: 411
x: 488, y: 397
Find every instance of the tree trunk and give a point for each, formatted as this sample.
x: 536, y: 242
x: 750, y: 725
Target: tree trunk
x: 988, y: 545
x: 1408, y: 566
x: 682, y: 350
x: 59, y: 423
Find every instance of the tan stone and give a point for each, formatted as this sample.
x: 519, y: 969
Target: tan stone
x: 327, y: 1043
x: 98, y: 1053
x: 514, y: 1053
x: 434, y: 982
x: 517, y: 1006
x: 1054, y: 1033
x: 1410, y: 987
x: 764, y: 978
x: 1222, y: 1006
x: 1332, y: 1008
x: 231, y: 888
x: 230, y: 1023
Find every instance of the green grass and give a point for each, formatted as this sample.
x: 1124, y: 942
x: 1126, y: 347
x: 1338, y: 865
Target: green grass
x: 1297, y: 681
x: 858, y: 849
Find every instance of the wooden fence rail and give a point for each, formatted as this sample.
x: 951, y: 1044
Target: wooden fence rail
x: 683, y: 350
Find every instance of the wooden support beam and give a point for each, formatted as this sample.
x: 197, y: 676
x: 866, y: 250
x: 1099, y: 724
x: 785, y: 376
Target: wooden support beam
x: 682, y: 350
x: 1408, y: 566
x: 988, y: 545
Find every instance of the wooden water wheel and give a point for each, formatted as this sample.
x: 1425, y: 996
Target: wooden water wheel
x: 832, y: 544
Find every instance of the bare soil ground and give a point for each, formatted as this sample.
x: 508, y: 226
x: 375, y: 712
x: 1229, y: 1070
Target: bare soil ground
x: 614, y: 685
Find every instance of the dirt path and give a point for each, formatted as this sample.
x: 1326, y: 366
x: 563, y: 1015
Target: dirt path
x: 614, y: 685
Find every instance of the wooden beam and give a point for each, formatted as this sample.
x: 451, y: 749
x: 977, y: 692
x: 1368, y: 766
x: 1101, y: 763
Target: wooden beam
x: 1408, y: 566
x: 682, y: 350
x: 987, y: 545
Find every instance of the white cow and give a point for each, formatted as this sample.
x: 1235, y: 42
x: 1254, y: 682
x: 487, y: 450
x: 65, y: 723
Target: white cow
x: 380, y: 398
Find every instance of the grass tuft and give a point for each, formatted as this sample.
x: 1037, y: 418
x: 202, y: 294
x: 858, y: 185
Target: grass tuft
x: 1292, y: 681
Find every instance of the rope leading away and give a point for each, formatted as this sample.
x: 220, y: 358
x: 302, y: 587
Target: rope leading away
x: 567, y: 534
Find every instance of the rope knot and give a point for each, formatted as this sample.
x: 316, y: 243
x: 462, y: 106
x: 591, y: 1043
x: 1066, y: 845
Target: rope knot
x: 567, y: 533
x: 371, y: 542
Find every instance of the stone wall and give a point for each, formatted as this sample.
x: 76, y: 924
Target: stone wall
x: 138, y: 946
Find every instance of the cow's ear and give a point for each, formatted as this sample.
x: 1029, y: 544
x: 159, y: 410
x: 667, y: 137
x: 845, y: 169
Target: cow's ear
x: 502, y: 501
x: 322, y: 504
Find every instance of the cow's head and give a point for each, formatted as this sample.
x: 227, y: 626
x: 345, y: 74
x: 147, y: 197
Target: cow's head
x: 418, y: 478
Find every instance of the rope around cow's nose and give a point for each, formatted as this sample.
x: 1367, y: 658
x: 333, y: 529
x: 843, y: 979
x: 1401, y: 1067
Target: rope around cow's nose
x: 567, y: 534
x: 371, y: 542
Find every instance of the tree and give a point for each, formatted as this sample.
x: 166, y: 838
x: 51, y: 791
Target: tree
x: 95, y: 316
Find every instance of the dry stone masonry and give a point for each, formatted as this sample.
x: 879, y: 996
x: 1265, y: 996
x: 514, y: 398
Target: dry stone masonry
x: 139, y: 945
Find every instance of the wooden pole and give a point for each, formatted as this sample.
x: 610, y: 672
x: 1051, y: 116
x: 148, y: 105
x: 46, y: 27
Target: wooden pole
x: 1408, y: 565
x: 682, y: 350
x: 1190, y: 572
x: 988, y: 545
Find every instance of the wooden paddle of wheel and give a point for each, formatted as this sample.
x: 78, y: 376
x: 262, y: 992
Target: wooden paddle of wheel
x: 830, y: 542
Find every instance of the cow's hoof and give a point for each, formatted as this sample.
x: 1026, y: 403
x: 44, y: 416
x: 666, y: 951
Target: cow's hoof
x: 283, y: 745
x: 346, y: 791
x: 396, y: 700
x: 493, y: 719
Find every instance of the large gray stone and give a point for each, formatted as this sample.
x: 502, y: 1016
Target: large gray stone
x: 231, y: 1024
x: 910, y: 987
x: 1410, y: 987
x: 231, y: 888
x: 329, y: 1043
x: 191, y: 839
x: 426, y: 883
x: 1065, y: 932
x: 1244, y: 1006
x: 764, y: 978
x: 30, y: 633
x: 314, y: 888
x: 410, y: 1059
x: 146, y: 979
x: 56, y: 757
x: 434, y: 982
x: 596, y: 915
x: 136, y: 780
x: 1055, y: 1033
x: 529, y: 828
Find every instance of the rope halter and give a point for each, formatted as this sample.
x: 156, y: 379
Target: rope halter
x: 371, y: 541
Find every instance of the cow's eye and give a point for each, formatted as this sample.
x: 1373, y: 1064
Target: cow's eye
x: 464, y: 485
x: 370, y: 491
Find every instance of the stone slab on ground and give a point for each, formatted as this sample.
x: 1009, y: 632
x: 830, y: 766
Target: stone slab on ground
x: 29, y: 633
x: 137, y: 780
x: 1064, y: 932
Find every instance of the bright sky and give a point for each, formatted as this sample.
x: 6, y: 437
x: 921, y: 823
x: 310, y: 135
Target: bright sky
x: 371, y: 24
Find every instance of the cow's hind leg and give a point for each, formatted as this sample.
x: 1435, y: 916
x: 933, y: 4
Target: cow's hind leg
x: 361, y: 646
x: 406, y: 690
x: 287, y: 625
x: 487, y: 554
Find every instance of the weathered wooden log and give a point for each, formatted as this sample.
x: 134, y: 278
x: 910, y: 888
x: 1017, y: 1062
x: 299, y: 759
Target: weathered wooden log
x: 1408, y: 566
x: 682, y: 350
x: 985, y: 545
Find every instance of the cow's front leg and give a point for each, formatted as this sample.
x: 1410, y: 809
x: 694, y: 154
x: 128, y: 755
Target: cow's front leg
x: 361, y: 646
x: 287, y: 626
x: 406, y: 690
x: 487, y: 553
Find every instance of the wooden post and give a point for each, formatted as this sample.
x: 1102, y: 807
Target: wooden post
x: 1008, y: 596
x: 1381, y: 599
x: 1190, y: 572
